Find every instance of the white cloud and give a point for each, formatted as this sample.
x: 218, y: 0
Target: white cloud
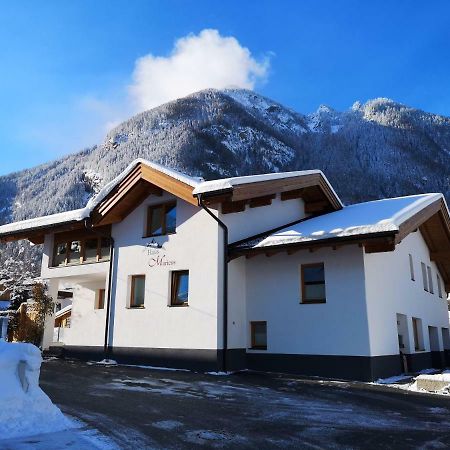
x: 206, y: 60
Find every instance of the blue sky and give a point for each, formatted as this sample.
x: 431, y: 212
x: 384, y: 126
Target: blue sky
x: 67, y: 66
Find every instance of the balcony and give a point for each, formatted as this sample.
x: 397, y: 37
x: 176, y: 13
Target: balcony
x: 86, y: 250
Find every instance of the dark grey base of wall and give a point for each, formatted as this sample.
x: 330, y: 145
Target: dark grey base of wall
x: 362, y: 368
x: 204, y: 360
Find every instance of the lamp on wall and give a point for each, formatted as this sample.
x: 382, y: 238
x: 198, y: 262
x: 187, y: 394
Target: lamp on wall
x: 154, y: 244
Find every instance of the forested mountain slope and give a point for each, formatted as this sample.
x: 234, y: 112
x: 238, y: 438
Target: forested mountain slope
x: 377, y: 149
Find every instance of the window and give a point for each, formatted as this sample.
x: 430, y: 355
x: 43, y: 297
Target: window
x: 81, y: 250
x: 258, y: 331
x: 75, y: 252
x: 424, y: 277
x: 90, y: 250
x: 101, y: 299
x: 430, y: 280
x: 179, y: 288
x: 105, y: 249
x: 418, y: 336
x: 313, y: 283
x: 439, y: 285
x: 446, y: 338
x: 161, y: 219
x: 411, y: 267
x: 137, y: 291
x: 60, y: 256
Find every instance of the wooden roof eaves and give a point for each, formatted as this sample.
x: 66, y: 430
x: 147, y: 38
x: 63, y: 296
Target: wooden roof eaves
x: 329, y: 242
x: 36, y: 235
x: 237, y: 193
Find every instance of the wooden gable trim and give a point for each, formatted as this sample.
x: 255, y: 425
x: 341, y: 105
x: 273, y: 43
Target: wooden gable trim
x: 415, y: 221
x: 134, y: 189
x: 262, y: 188
x: 169, y: 184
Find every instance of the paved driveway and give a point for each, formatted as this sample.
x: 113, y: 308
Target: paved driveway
x: 141, y: 408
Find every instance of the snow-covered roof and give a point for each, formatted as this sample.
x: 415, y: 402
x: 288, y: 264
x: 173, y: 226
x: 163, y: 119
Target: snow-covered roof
x: 78, y: 215
x: 229, y: 183
x: 363, y: 218
x: 45, y: 221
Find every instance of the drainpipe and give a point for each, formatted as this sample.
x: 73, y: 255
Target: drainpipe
x: 106, y: 346
x: 225, y: 280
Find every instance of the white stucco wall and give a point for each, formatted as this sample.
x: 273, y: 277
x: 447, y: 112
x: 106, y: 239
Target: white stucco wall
x: 390, y: 290
x: 87, y: 324
x: 338, y: 327
x: 257, y: 220
x: 194, y: 247
x: 237, y: 308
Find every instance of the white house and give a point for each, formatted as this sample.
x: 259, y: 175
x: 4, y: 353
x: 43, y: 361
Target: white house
x: 268, y: 272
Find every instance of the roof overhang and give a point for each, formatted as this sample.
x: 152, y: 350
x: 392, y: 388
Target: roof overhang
x: 259, y: 190
x: 114, y: 202
x: 132, y: 190
x: 433, y: 221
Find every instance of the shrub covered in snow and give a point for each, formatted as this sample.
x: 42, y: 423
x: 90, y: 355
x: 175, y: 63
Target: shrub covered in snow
x: 25, y: 409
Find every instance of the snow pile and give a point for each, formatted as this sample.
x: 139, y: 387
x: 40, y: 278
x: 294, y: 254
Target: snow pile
x: 25, y: 409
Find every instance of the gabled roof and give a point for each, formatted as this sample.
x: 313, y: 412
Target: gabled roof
x: 142, y: 178
x: 311, y: 185
x: 136, y: 182
x: 379, y: 225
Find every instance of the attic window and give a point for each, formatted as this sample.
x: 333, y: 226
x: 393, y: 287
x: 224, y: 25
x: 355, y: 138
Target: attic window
x: 161, y: 219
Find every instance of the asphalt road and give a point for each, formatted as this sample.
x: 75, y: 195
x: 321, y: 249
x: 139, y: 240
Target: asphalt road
x: 140, y: 408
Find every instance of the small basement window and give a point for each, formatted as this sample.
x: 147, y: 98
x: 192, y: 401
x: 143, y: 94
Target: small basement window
x: 424, y: 276
x: 258, y: 331
x: 179, y: 288
x: 313, y: 283
x: 161, y: 219
x: 137, y: 291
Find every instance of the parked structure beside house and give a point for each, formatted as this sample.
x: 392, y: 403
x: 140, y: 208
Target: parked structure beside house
x: 267, y: 272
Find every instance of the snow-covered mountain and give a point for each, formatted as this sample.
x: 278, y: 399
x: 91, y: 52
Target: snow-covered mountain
x: 377, y: 149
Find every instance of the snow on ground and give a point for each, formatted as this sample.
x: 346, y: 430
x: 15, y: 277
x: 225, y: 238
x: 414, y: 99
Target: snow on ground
x: 436, y: 383
x: 25, y: 409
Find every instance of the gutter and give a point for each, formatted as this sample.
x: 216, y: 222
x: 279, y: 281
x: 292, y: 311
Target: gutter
x: 225, y: 279
x: 106, y: 346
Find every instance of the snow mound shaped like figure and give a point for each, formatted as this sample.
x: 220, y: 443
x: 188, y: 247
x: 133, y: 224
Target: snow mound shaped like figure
x: 25, y: 409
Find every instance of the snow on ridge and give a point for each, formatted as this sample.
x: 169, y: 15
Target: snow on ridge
x: 363, y: 218
x: 229, y: 183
